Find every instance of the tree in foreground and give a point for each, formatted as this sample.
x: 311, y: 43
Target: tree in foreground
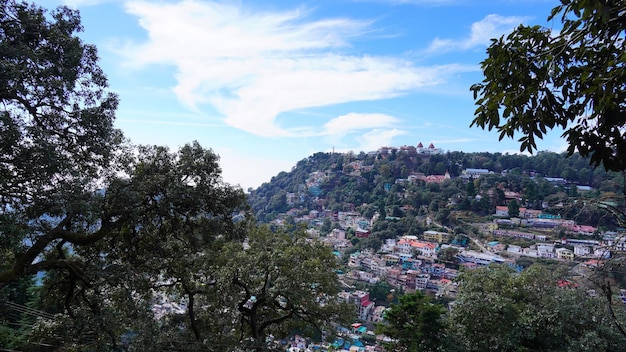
x: 415, y: 323
x: 57, y: 141
x: 498, y: 309
x: 277, y: 284
x: 57, y: 135
x: 163, y: 225
x: 537, y: 79
x: 574, y: 79
x: 139, y: 248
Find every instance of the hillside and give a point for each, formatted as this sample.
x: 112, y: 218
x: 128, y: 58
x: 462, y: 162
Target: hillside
x: 407, y: 182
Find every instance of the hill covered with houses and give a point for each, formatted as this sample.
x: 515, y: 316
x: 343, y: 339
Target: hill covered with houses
x: 408, y: 181
x: 411, y: 219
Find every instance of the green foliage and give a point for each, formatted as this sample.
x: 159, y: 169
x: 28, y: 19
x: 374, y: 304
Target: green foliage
x: 513, y: 208
x: 367, y: 193
x: 380, y: 291
x: 16, y: 316
x: 415, y: 323
x: 448, y: 255
x: 537, y: 79
x: 279, y: 283
x: 119, y: 232
x: 56, y: 119
x: 500, y: 310
x: 56, y: 116
x: 150, y: 236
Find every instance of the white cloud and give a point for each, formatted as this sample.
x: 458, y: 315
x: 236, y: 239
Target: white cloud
x: 354, y: 121
x: 83, y: 3
x: 253, y: 66
x: 492, y: 26
x: 377, y: 138
x: 353, y: 124
x: 249, y: 171
x: 418, y: 2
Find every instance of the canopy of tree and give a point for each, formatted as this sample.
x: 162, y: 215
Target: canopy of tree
x: 498, y: 309
x: 537, y: 79
x: 137, y: 248
x: 415, y: 323
x: 57, y: 135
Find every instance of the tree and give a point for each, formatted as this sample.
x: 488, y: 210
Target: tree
x: 416, y: 323
x: 448, y: 254
x: 500, y: 310
x: 58, y: 139
x: 513, y: 208
x: 56, y: 115
x: 160, y: 230
x: 277, y: 283
x: 379, y: 291
x: 139, y: 249
x: 443, y: 216
x: 470, y: 188
x: 536, y: 80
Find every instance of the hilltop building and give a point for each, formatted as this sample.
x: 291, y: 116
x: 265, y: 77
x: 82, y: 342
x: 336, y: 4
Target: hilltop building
x: 431, y: 150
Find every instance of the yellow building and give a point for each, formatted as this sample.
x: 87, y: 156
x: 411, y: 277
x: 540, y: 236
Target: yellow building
x: 436, y: 236
x: 564, y: 253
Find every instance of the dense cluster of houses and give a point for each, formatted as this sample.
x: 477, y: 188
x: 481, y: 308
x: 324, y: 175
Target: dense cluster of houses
x: 409, y: 263
x: 565, y: 248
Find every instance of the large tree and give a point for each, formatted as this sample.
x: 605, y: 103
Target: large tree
x: 161, y: 228
x: 416, y: 324
x: 537, y: 79
x: 140, y: 248
x: 57, y: 135
x: 104, y: 223
x: 278, y: 283
x: 498, y: 309
x: 574, y: 79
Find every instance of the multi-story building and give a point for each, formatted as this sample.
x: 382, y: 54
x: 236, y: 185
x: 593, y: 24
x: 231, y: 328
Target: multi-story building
x: 436, y: 236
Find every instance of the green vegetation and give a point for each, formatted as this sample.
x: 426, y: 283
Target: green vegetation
x: 136, y: 247
x: 415, y: 323
x: 500, y: 310
x: 448, y: 202
x: 109, y: 246
x: 537, y: 79
x: 278, y: 284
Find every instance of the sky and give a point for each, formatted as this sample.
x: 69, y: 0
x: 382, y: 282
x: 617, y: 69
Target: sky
x: 267, y: 83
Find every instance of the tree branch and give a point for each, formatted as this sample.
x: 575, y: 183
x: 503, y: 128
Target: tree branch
x: 609, y: 297
x: 23, y: 262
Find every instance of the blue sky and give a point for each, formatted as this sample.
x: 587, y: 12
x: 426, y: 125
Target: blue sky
x: 267, y: 83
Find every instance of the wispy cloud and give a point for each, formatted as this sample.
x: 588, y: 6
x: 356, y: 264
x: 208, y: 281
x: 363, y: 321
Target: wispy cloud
x: 481, y: 32
x: 169, y: 122
x: 417, y: 2
x: 353, y: 130
x: 376, y: 138
x: 83, y: 3
x: 354, y: 121
x: 253, y: 66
